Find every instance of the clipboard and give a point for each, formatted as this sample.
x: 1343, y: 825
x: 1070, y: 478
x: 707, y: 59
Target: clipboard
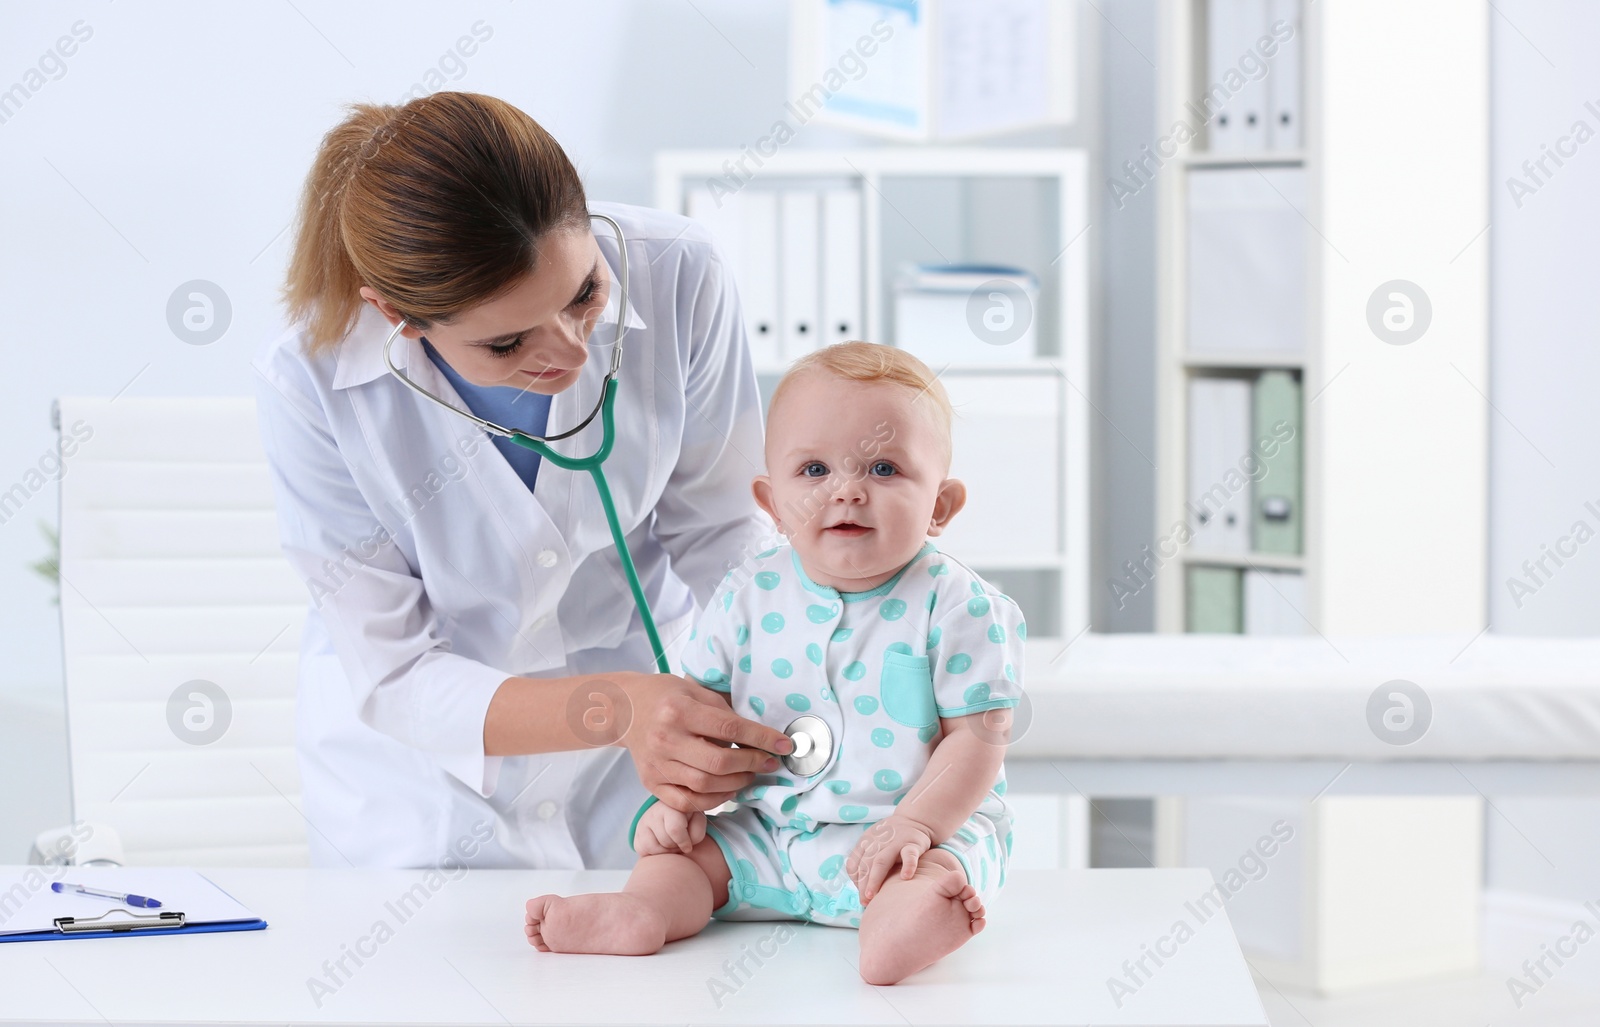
x: 191, y: 904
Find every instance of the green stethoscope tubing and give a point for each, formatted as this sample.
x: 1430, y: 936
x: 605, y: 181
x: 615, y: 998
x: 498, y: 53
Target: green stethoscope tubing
x: 592, y: 463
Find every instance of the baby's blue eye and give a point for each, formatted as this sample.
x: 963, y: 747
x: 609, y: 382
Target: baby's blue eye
x: 815, y: 469
x: 883, y: 469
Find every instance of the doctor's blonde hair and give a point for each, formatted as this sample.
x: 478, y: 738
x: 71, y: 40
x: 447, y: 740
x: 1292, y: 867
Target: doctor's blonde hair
x: 871, y: 362
x: 437, y: 205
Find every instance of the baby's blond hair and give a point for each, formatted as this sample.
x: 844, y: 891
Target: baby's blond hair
x: 870, y: 362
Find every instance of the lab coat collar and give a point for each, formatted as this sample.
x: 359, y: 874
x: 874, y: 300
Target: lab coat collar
x: 360, y: 355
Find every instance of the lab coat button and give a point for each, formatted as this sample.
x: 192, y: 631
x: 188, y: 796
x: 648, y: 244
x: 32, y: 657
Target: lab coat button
x: 547, y: 558
x: 547, y: 809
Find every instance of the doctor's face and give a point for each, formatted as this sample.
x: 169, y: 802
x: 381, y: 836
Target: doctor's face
x: 534, y: 335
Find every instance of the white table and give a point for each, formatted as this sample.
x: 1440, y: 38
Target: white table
x: 1054, y: 938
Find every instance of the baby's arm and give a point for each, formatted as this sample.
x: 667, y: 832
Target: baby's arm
x: 960, y: 772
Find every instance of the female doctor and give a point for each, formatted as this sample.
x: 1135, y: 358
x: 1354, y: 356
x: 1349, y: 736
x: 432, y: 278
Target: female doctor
x: 475, y: 682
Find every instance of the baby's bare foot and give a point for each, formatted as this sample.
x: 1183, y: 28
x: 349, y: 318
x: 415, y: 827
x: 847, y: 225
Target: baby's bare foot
x: 609, y: 923
x: 910, y: 925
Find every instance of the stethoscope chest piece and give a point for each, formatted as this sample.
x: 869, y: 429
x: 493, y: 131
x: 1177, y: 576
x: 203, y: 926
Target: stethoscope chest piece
x: 813, y: 745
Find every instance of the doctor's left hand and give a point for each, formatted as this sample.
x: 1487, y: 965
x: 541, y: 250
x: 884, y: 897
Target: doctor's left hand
x: 679, y: 734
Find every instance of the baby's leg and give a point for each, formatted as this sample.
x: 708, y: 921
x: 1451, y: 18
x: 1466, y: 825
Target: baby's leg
x: 910, y: 925
x: 668, y: 896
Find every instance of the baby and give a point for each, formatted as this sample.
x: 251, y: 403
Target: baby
x: 892, y: 666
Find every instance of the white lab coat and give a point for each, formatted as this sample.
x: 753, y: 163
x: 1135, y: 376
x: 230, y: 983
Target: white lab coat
x: 436, y: 574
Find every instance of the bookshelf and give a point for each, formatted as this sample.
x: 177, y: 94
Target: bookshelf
x: 1026, y: 208
x: 1393, y: 456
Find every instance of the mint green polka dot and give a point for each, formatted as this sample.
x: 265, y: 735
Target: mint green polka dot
x: 855, y: 921
x: 979, y: 606
x: 976, y: 694
x: 897, y: 798
x: 882, y: 737
x: 977, y: 589
x: 866, y: 704
x: 837, y: 786
x: 988, y: 843
x: 887, y: 780
x: 1022, y: 629
x: 713, y: 675
x: 727, y: 600
x: 796, y: 701
x: 830, y: 867
x: 925, y: 734
x: 782, y: 782
x: 758, y: 843
x: 758, y: 704
x: 763, y: 556
x: 899, y: 647
x: 814, y: 653
x: 934, y: 570
x: 933, y: 599
x: 772, y: 623
x: 892, y: 609
x: 767, y: 580
x: 852, y: 812
x: 966, y: 835
x: 1011, y: 675
x: 856, y: 671
x: 692, y: 633
x: 960, y: 663
x: 783, y: 668
x: 934, y: 636
x: 840, y: 634
x: 1000, y: 789
x: 709, y: 647
x: 741, y: 634
x: 997, y: 633
x: 783, y: 861
x: 744, y: 663
x: 790, y: 803
x: 818, y: 614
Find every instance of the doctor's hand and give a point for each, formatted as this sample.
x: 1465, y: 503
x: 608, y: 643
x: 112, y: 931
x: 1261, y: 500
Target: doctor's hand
x: 679, y: 734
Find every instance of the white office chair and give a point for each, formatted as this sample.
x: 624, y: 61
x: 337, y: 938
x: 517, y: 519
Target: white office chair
x: 181, y: 623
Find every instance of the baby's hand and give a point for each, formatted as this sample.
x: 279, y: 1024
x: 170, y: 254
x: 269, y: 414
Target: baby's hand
x: 891, y: 839
x: 664, y: 829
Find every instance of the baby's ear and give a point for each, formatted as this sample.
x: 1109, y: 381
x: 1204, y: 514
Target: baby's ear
x: 762, y: 488
x: 951, y: 498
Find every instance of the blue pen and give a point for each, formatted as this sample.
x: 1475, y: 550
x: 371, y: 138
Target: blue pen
x: 132, y: 900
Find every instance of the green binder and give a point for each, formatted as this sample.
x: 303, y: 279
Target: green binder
x: 1215, y: 603
x: 1276, y: 513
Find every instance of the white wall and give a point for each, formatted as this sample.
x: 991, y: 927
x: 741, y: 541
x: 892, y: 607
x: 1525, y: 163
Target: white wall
x: 1545, y: 371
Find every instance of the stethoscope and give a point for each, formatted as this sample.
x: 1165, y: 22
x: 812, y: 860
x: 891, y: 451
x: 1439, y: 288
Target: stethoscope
x: 813, y: 740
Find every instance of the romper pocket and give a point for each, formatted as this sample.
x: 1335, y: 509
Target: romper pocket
x: 907, y: 689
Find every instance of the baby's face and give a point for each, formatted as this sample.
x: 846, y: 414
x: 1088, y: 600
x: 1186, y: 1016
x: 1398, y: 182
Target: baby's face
x: 856, y: 477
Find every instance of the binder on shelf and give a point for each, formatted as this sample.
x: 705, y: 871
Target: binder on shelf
x: 841, y: 266
x: 1276, y: 495
x: 1214, y: 600
x: 190, y: 904
x: 1007, y: 513
x: 1247, y: 259
x: 1274, y: 602
x: 800, y: 224
x: 1283, y: 82
x: 967, y: 313
x: 745, y: 226
x: 1232, y: 28
x: 1218, y: 499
